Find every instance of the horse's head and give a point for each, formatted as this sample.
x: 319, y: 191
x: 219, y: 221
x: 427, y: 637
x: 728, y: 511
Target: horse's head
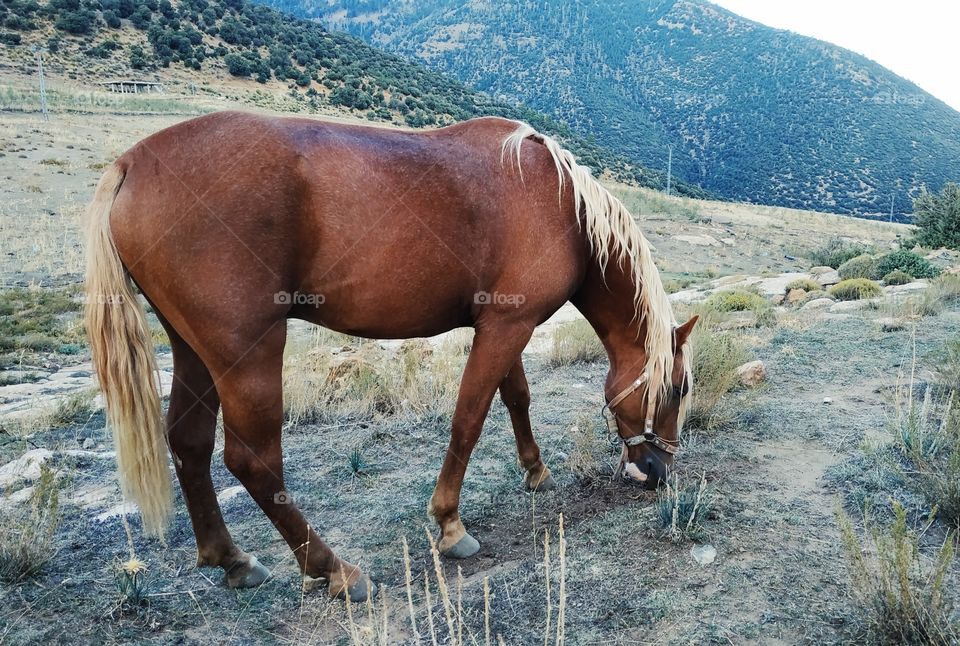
x: 651, y: 433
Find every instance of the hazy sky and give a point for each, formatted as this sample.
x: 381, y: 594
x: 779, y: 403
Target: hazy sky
x: 917, y: 39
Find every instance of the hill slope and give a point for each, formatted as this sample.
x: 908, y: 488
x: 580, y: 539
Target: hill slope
x: 753, y: 113
x: 214, y: 43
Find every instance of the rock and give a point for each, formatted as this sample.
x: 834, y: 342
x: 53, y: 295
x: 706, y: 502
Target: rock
x: 739, y: 321
x: 827, y: 278
x: 917, y: 285
x: 728, y: 241
x: 752, y: 373
x: 704, y: 554
x: 820, y: 269
x: 26, y: 467
x: 817, y: 304
x: 952, y: 271
x: 700, y: 241
x: 88, y: 444
x: 890, y: 324
x: 777, y: 299
x: 796, y: 295
x: 827, y: 400
x: 688, y: 296
x: 847, y: 306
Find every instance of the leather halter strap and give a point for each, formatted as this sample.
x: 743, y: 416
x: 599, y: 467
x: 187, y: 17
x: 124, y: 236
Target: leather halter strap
x: 649, y: 437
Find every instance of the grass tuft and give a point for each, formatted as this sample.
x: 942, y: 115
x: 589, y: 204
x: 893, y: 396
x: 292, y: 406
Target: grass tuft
x: 27, y: 535
x: 897, y: 277
x: 716, y: 355
x: 806, y: 284
x: 683, y: 510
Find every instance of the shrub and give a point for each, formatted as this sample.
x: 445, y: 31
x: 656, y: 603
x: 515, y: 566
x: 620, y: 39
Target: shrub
x: 835, y: 253
x: 806, y: 284
x: 937, y: 217
x: 862, y: 266
x: 742, y: 300
x: 78, y: 22
x: 575, y: 342
x: 903, y: 601
x: 26, y: 536
x: 897, y: 277
x: 112, y: 19
x: 906, y: 261
x: 588, y: 457
x: 855, y: 289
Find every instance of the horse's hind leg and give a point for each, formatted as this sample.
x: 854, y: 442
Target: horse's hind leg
x: 495, y: 349
x: 191, y: 428
x: 251, y: 392
x: 515, y: 394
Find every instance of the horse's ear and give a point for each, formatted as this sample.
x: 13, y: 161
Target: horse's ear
x: 682, y: 333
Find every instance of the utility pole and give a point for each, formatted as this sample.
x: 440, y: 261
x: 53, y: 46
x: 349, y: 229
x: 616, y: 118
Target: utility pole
x: 891, y: 208
x: 669, y: 167
x: 38, y: 53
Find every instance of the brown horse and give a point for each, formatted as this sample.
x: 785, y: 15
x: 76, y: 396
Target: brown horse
x: 232, y: 223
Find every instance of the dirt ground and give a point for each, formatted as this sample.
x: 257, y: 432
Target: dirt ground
x: 777, y: 471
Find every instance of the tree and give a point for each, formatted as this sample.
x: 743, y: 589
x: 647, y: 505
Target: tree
x: 138, y: 58
x: 937, y: 217
x: 111, y: 18
x: 78, y: 22
x: 238, y: 65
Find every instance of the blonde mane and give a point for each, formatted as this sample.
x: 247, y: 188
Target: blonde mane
x: 613, y: 233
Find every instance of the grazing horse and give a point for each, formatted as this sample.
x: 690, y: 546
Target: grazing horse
x: 232, y: 223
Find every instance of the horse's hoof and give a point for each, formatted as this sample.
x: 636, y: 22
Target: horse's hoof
x: 546, y: 484
x: 358, y: 592
x: 466, y: 547
x: 247, y: 575
x: 541, y: 481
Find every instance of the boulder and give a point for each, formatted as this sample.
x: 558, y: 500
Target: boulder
x: 831, y: 277
x: 752, y: 373
x: 700, y: 241
x: 889, y: 324
x: 817, y: 304
x: 795, y: 296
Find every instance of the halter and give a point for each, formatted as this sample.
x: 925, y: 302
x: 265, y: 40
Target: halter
x: 649, y: 437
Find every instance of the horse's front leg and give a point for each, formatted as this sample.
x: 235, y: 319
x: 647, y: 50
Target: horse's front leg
x: 495, y: 349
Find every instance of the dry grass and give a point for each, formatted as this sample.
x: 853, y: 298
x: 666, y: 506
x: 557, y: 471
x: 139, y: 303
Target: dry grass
x: 590, y: 448
x: 575, y: 342
x: 902, y: 598
x: 855, y: 289
x: 441, y: 618
x: 336, y: 378
x: 941, y: 293
x: 716, y: 355
x: 27, y: 533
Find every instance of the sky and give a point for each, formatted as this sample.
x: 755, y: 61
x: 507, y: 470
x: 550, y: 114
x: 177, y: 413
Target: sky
x: 917, y: 39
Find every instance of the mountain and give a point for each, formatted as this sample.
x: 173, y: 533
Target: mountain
x: 216, y: 44
x: 753, y: 113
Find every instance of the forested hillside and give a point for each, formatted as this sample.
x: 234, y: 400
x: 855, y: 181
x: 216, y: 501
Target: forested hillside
x: 753, y: 113
x: 132, y: 38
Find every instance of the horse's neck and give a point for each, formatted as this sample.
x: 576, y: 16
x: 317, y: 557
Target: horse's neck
x: 606, y: 300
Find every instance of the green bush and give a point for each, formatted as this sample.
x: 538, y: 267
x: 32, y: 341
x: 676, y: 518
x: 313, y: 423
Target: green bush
x: 937, y: 217
x: 238, y: 65
x: 835, y: 253
x: 855, y: 289
x: 736, y: 300
x: 806, y: 284
x: 898, y: 277
x: 908, y: 262
x: 862, y: 266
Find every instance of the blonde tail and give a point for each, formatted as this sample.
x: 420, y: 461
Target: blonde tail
x: 125, y: 365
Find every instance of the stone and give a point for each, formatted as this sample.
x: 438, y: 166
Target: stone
x: 700, y: 241
x: 752, y: 373
x: 777, y: 299
x: 704, y: 554
x: 827, y: 278
x: 88, y: 444
x: 26, y: 467
x: 817, y: 304
x: 795, y: 296
x: 820, y: 269
x: 827, y: 400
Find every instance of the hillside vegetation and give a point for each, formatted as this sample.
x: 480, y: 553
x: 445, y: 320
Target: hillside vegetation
x: 95, y: 40
x: 753, y: 113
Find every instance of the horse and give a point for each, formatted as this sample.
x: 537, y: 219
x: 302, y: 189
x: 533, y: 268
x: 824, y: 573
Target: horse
x: 232, y: 223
